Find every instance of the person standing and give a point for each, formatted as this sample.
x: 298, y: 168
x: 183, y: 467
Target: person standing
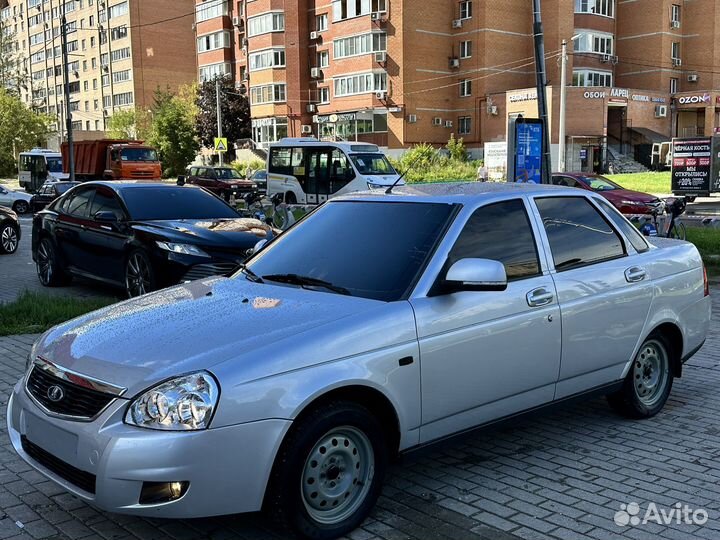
x: 482, y: 173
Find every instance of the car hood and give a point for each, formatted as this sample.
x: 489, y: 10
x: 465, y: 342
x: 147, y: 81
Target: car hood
x: 139, y: 342
x: 383, y: 179
x: 628, y: 195
x: 19, y: 195
x: 210, y: 232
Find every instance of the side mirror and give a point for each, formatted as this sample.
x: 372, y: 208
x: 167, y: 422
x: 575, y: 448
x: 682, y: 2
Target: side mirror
x: 181, y: 180
x: 476, y: 275
x: 106, y: 217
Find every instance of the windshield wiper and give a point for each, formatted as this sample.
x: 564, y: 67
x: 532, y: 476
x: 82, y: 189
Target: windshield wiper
x: 250, y: 274
x: 306, y: 281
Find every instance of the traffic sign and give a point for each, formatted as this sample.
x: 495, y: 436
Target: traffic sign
x: 221, y: 144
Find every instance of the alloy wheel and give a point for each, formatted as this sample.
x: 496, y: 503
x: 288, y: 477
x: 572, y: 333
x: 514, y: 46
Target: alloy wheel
x: 22, y: 207
x: 45, y: 263
x: 650, y: 372
x: 9, y: 239
x: 137, y: 275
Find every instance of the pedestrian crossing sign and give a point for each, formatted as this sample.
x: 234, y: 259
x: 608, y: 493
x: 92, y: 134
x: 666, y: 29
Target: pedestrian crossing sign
x: 221, y: 144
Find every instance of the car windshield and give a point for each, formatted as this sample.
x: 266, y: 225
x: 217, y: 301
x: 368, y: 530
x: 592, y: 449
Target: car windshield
x: 369, y: 249
x: 599, y: 183
x: 54, y: 164
x: 173, y: 202
x: 259, y: 175
x: 139, y: 154
x: 62, y: 188
x: 227, y: 174
x: 372, y: 164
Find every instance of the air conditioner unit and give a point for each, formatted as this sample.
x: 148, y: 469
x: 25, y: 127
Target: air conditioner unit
x: 411, y: 118
x: 375, y: 16
x: 674, y: 24
x: 381, y: 95
x: 457, y: 23
x: 305, y: 129
x: 311, y: 108
x: 676, y: 62
x: 448, y: 123
x: 236, y: 20
x: 606, y: 58
x: 661, y: 111
x: 437, y: 121
x: 380, y: 57
x: 454, y: 62
x: 315, y: 73
x: 492, y: 110
x: 693, y: 77
x: 314, y: 35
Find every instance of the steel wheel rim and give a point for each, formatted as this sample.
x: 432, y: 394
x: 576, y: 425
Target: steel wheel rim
x: 44, y: 263
x: 22, y: 207
x: 650, y: 372
x: 337, y: 475
x: 137, y: 278
x: 8, y: 238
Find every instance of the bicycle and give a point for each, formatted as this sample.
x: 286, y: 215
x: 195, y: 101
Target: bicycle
x: 672, y: 227
x: 257, y: 206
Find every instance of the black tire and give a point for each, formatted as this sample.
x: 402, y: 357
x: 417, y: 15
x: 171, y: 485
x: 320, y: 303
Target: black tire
x: 648, y: 383
x: 49, y: 270
x: 678, y: 231
x: 139, y: 274
x: 290, y: 198
x: 9, y: 238
x: 315, y: 455
x: 21, y: 207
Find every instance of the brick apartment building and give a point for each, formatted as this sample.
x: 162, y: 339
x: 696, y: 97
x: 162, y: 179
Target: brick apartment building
x: 120, y: 52
x: 400, y: 72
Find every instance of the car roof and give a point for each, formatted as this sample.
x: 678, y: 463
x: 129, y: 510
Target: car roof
x: 120, y: 185
x: 577, y: 174
x: 460, y: 192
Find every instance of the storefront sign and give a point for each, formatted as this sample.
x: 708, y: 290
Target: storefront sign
x: 618, y: 100
x: 495, y: 157
x: 260, y: 122
x: 692, y: 165
x: 595, y: 95
x: 690, y: 100
x: 648, y: 99
x: 334, y: 118
x: 620, y: 92
x: 530, y: 95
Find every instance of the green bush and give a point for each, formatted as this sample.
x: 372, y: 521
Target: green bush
x: 241, y: 166
x: 425, y: 163
x: 456, y: 147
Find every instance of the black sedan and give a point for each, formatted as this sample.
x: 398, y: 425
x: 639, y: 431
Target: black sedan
x: 47, y: 193
x: 9, y: 231
x: 140, y: 235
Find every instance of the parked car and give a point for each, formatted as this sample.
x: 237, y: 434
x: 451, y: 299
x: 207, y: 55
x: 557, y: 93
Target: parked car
x: 376, y: 324
x: 625, y: 200
x: 140, y: 236
x: 19, y: 201
x: 48, y: 193
x: 222, y: 181
x: 9, y: 231
x: 260, y: 179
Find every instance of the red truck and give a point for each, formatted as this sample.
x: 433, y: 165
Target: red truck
x: 113, y: 159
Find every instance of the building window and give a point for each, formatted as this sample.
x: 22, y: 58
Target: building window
x: 596, y: 7
x: 267, y: 93
x: 465, y: 88
x: 126, y: 98
x: 119, y: 32
x: 594, y: 42
x: 324, y: 94
x: 210, y: 10
x: 263, y: 24
x: 271, y: 58
x: 379, y: 6
x: 347, y: 9
x: 675, y: 14
x: 97, y: 125
x: 357, y: 45
x: 464, y: 125
x: 321, y: 22
x: 675, y: 51
x: 360, y: 84
x: 211, y: 71
x: 465, y: 49
x: 116, y: 10
x: 96, y: 105
x: 323, y: 59
x: 210, y: 42
x: 121, y: 76
x: 466, y: 9
x: 592, y: 78
x: 673, y: 85
x: 86, y: 86
x: 120, y: 54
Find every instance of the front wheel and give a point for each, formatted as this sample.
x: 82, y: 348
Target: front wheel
x: 329, y: 471
x: 8, y: 238
x: 139, y: 275
x: 649, y: 381
x: 21, y: 207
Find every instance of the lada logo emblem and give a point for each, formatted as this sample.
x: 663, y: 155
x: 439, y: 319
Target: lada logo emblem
x: 55, y: 393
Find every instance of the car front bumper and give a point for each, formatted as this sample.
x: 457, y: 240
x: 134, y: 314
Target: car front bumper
x: 227, y: 468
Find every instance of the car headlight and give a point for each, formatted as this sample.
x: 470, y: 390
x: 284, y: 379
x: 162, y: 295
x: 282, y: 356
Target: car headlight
x: 183, y: 249
x: 183, y: 404
x: 633, y: 203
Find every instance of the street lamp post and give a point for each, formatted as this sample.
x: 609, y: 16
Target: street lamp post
x: 541, y: 82
x: 562, y: 165
x: 219, y: 116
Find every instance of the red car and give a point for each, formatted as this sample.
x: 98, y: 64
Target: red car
x: 625, y: 200
x: 222, y: 181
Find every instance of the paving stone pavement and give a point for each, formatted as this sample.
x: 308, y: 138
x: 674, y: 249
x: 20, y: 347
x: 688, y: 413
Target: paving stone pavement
x: 17, y: 274
x: 558, y: 476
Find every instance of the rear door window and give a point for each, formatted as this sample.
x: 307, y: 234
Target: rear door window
x: 578, y: 233
x: 627, y: 228
x: 79, y: 203
x: 106, y: 201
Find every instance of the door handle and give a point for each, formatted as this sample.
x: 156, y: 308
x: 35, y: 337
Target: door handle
x: 635, y: 274
x: 539, y: 297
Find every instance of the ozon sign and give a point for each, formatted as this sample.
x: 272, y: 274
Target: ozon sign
x: 690, y: 100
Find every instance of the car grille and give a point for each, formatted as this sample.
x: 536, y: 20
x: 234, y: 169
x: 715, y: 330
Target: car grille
x: 78, y: 401
x: 201, y: 271
x: 142, y: 174
x: 83, y: 480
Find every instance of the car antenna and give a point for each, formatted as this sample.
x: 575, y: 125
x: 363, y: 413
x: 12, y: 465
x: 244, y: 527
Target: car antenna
x: 388, y: 191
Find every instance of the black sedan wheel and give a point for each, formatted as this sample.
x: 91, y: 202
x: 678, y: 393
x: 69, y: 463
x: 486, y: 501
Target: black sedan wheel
x: 139, y: 276
x: 8, y: 238
x: 48, y: 269
x: 21, y: 207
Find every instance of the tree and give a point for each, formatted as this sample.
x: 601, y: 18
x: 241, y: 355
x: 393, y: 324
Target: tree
x: 173, y: 130
x: 129, y: 124
x: 20, y: 129
x: 14, y: 75
x: 234, y: 108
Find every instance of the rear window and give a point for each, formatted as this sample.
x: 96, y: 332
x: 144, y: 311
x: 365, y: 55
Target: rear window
x: 170, y: 202
x: 627, y: 228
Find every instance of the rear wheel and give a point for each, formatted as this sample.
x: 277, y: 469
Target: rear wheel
x: 139, y: 275
x: 678, y: 231
x: 649, y: 381
x: 49, y: 271
x: 21, y: 207
x: 9, y: 238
